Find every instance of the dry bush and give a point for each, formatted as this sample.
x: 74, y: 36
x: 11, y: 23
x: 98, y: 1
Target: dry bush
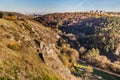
x: 14, y: 46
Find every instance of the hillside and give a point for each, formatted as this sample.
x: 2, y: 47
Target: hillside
x: 29, y: 51
x: 95, y: 36
x: 60, y: 46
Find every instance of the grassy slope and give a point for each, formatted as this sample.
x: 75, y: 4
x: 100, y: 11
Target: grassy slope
x: 19, y: 58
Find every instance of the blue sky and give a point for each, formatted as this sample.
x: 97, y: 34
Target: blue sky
x: 49, y: 6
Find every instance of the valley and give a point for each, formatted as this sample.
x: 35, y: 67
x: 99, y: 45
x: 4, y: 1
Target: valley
x: 59, y: 46
x: 95, y: 36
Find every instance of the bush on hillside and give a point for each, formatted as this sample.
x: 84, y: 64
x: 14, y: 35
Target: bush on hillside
x: 14, y: 46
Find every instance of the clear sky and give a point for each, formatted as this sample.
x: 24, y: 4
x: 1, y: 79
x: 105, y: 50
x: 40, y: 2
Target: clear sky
x: 43, y: 6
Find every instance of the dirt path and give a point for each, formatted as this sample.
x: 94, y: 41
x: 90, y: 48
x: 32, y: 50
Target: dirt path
x: 99, y: 69
x: 105, y: 71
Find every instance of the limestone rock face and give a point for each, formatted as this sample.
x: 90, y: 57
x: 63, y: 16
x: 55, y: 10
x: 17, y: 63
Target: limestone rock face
x: 52, y: 60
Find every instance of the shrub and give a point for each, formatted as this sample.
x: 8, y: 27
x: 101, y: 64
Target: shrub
x: 92, y: 53
x: 115, y: 67
x: 47, y: 77
x: 1, y: 14
x: 64, y: 59
x: 4, y: 78
x: 27, y: 26
x: 13, y: 46
x: 10, y: 17
x: 69, y: 56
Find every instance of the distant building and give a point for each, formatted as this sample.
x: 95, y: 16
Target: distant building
x: 97, y: 11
